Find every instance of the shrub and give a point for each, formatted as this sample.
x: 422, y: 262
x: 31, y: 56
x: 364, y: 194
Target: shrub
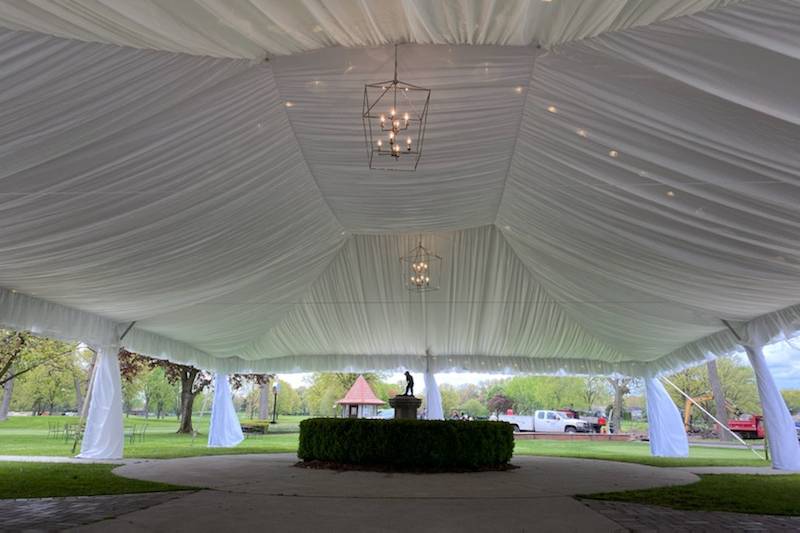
x: 407, y: 444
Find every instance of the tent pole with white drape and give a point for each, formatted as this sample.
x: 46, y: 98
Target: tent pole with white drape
x: 104, y: 435
x: 665, y: 427
x: 432, y: 395
x: 784, y: 448
x: 225, y: 430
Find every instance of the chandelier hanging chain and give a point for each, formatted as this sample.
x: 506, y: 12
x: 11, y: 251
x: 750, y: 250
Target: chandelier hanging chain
x: 383, y: 129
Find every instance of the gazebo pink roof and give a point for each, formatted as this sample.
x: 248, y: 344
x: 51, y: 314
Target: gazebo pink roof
x: 360, y: 394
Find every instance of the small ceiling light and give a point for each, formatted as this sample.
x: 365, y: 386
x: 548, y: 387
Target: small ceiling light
x: 671, y: 194
x: 289, y: 104
x: 582, y: 132
x: 506, y: 228
x: 552, y: 109
x: 518, y: 89
x: 613, y: 153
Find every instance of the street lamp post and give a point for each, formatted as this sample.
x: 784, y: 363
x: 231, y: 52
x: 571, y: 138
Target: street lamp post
x: 275, y: 389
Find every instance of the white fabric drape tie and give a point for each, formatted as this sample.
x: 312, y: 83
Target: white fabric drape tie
x: 781, y: 433
x: 225, y: 430
x: 665, y: 427
x: 104, y: 435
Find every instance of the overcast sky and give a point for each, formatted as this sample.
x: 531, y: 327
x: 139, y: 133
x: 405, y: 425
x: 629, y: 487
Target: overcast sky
x: 783, y: 361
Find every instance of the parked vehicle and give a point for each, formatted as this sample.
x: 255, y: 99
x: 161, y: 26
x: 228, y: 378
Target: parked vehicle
x: 748, y: 426
x: 546, y: 421
x: 596, y: 421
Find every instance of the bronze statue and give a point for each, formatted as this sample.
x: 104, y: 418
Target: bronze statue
x: 409, y: 385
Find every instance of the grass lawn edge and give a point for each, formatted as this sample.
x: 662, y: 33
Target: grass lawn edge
x: 734, y: 493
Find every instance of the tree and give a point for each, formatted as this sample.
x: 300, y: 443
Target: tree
x: 737, y: 381
x: 499, y: 404
x: 192, y: 381
x: 594, y: 391
x: 449, y: 399
x: 719, y: 398
x: 792, y: 399
x: 473, y: 407
x: 158, y: 392
x: 621, y: 387
x: 21, y: 353
x: 261, y: 381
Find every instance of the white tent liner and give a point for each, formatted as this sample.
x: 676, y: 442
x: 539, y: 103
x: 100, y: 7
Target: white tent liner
x: 259, y: 28
x: 180, y: 192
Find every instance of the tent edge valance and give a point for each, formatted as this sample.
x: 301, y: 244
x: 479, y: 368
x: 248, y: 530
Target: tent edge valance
x: 54, y: 320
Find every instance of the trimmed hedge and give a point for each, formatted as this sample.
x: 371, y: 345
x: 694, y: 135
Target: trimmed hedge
x: 407, y: 444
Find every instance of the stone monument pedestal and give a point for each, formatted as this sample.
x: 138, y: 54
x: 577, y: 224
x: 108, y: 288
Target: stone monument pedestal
x: 405, y: 407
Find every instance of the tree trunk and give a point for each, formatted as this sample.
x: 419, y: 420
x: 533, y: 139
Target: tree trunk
x: 187, y: 401
x: 8, y: 388
x: 146, y: 407
x: 78, y: 393
x: 263, y: 401
x: 617, y: 415
x: 719, y: 399
x: 620, y: 387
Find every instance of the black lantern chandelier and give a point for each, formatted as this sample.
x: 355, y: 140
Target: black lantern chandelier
x: 394, y: 117
x: 421, y: 269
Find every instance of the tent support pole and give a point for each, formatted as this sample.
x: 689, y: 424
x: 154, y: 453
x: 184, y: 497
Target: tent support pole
x: 723, y: 426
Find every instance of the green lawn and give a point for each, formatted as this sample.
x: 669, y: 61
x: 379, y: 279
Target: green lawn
x: 26, y: 435
x: 637, y: 452
x: 42, y: 480
x: 779, y: 495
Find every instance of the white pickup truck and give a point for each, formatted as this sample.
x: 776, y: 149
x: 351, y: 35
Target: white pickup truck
x: 546, y: 421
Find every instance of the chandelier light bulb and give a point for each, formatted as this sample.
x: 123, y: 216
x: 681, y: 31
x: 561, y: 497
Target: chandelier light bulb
x: 383, y: 119
x: 391, y: 113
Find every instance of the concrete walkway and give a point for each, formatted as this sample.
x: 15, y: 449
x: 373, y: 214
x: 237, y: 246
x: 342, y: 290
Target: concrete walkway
x: 248, y: 492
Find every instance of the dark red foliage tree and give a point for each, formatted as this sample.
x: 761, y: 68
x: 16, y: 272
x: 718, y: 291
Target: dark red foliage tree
x: 499, y: 404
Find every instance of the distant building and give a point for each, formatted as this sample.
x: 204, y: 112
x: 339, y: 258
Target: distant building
x: 360, y: 401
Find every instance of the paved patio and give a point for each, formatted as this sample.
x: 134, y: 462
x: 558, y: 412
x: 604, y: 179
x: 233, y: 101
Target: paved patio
x: 246, y: 492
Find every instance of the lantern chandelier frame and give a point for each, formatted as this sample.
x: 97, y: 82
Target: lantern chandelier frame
x: 395, y: 114
x: 421, y: 269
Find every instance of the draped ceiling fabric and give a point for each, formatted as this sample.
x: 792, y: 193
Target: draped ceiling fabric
x: 154, y: 169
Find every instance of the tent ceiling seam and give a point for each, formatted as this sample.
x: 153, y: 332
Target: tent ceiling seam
x: 524, y: 106
x: 302, y: 152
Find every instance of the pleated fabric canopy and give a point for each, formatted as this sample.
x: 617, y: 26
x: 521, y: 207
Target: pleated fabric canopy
x: 604, y: 180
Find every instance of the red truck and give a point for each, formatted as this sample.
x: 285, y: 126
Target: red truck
x: 748, y: 426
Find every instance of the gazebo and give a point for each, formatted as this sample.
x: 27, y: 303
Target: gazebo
x: 612, y: 188
x: 360, y: 401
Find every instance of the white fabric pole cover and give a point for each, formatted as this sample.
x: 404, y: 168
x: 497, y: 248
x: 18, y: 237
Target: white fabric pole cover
x: 433, y: 397
x: 225, y: 430
x: 781, y: 434
x: 104, y: 435
x: 667, y: 434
